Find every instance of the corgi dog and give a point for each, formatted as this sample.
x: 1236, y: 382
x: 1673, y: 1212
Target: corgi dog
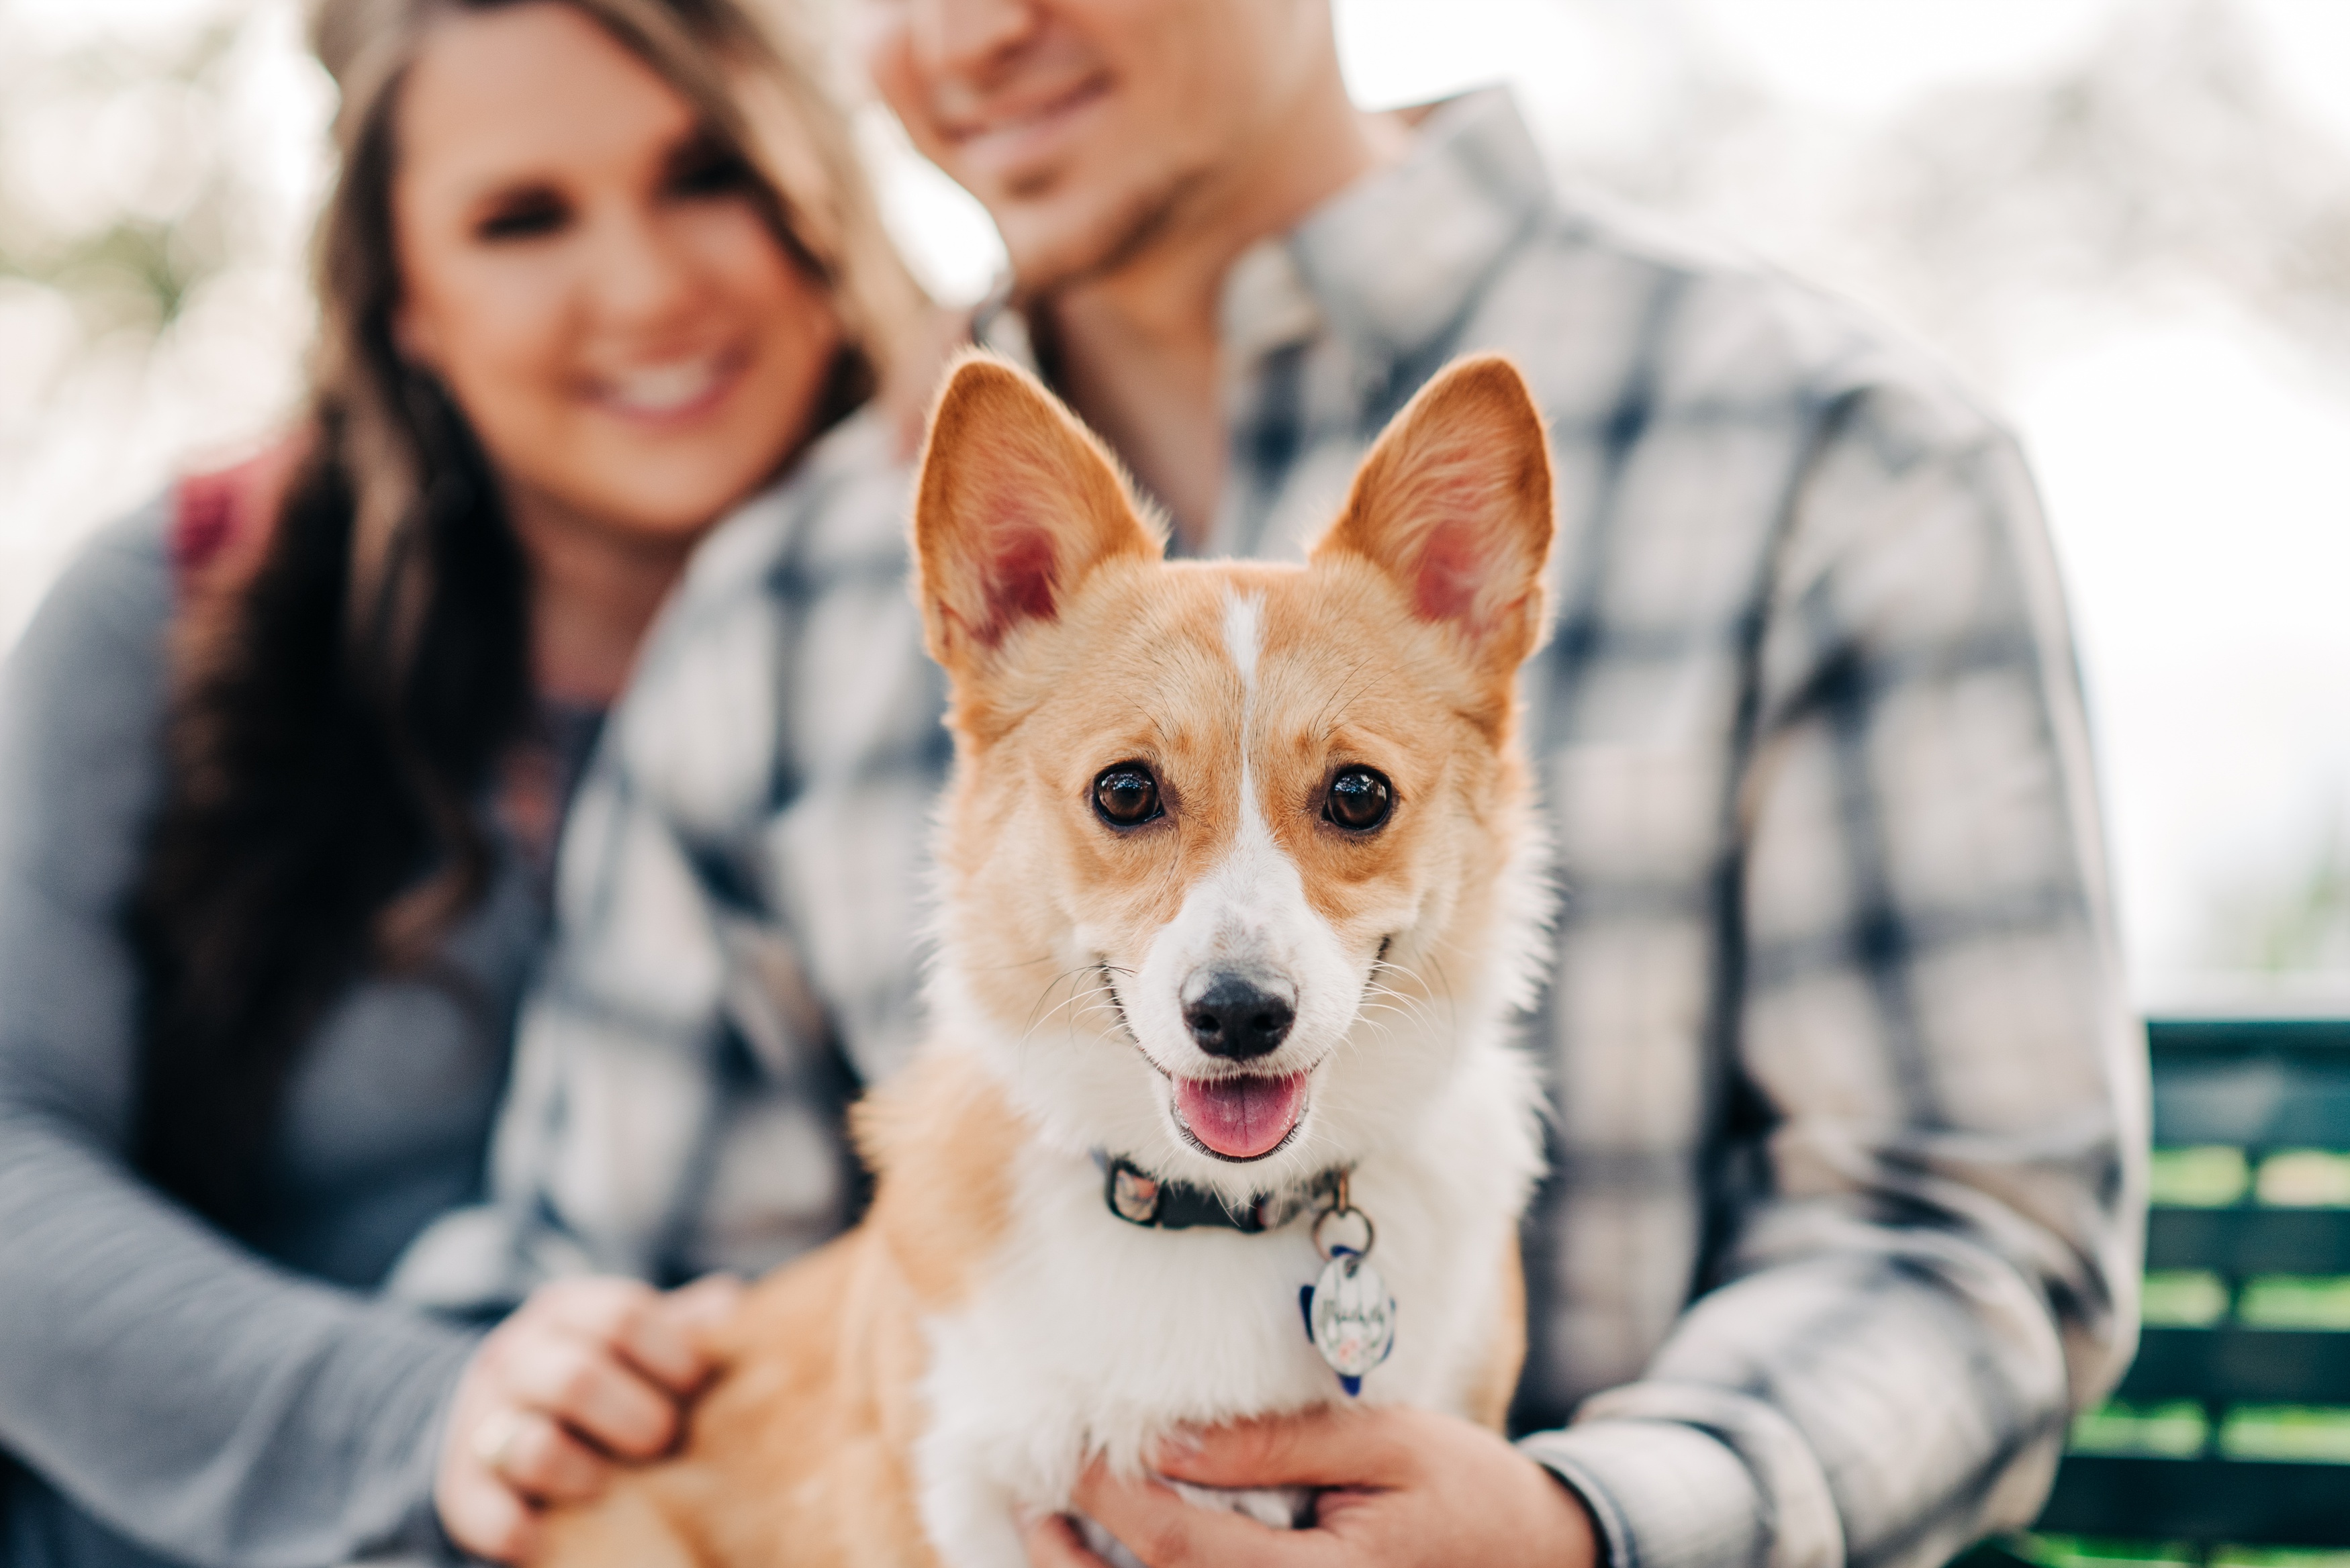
x: 1218, y: 1114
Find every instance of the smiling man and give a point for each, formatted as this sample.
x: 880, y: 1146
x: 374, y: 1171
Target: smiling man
x: 1842, y: 1217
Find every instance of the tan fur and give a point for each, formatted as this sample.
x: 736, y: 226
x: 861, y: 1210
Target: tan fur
x: 1489, y: 1406
x: 988, y: 554
x: 1073, y: 645
x: 1381, y: 675
x: 1419, y: 719
x: 1426, y: 503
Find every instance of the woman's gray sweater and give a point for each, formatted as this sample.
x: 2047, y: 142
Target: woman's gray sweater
x: 168, y: 1394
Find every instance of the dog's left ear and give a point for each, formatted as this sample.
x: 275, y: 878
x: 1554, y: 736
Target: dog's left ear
x: 1454, y: 505
x: 1018, y: 503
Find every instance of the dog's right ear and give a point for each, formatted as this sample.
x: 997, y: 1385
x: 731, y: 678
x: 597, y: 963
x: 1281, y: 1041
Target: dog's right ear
x: 1018, y: 503
x: 1454, y: 503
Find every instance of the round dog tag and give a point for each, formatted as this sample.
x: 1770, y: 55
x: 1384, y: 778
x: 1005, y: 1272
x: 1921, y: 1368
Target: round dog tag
x: 1351, y: 1317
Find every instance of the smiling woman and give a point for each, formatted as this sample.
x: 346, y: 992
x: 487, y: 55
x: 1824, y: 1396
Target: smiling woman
x: 283, y: 759
x: 586, y: 269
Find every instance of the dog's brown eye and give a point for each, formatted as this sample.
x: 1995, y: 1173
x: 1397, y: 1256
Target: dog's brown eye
x: 1126, y: 795
x: 1360, y: 799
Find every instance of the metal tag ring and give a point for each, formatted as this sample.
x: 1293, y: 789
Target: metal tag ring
x: 1341, y: 1211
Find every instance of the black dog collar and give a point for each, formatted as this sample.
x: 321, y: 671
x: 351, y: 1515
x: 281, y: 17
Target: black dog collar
x: 1139, y: 1198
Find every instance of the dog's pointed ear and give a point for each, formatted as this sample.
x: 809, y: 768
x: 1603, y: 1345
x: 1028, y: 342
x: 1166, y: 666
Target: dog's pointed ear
x: 1017, y: 503
x: 1454, y: 505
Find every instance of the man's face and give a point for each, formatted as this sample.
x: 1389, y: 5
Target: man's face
x: 1089, y: 128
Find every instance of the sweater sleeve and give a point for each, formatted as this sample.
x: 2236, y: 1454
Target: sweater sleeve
x: 1932, y: 1188
x: 181, y: 1390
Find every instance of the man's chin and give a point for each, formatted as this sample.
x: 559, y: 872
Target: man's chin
x: 1057, y: 242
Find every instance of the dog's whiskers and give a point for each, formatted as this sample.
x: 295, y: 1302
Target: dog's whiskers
x: 1109, y: 988
x: 1402, y: 1001
x: 1080, y: 997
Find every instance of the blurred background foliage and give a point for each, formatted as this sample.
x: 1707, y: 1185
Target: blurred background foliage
x: 159, y: 160
x: 2164, y: 153
x: 2126, y: 220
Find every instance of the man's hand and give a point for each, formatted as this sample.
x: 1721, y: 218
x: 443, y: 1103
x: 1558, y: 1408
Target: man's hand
x: 1409, y: 1488
x: 585, y: 1372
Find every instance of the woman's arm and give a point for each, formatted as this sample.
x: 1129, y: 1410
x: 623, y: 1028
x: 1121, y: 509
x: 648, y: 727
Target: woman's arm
x: 178, y: 1389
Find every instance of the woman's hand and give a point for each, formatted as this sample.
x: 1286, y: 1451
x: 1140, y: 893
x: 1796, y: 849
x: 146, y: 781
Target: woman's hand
x: 1407, y: 1488
x: 585, y: 1372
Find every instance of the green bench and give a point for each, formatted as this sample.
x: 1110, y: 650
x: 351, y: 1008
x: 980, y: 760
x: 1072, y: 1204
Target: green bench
x: 2230, y: 1436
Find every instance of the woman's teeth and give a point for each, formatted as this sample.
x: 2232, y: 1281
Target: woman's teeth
x: 664, y: 389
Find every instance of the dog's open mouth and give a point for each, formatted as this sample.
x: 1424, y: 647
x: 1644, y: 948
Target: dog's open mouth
x: 1245, y: 1116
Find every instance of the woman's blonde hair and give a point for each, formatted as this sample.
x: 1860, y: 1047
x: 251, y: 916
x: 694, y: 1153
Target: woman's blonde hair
x: 345, y: 697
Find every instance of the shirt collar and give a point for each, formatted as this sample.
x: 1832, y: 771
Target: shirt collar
x: 1393, y: 260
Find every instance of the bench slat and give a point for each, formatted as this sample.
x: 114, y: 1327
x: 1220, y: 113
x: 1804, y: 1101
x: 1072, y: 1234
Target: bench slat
x: 2242, y: 1501
x: 2257, y: 1085
x: 2250, y: 1241
x: 2260, y: 1103
x: 2246, y: 1365
x: 2268, y: 1083
x: 2178, y: 1041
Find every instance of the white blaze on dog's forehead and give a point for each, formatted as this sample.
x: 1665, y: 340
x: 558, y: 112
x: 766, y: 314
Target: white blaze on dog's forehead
x: 1244, y: 633
x: 1248, y: 910
x: 1243, y: 637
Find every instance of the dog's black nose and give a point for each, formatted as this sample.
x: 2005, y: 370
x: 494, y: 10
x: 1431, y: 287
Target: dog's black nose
x: 1239, y: 1017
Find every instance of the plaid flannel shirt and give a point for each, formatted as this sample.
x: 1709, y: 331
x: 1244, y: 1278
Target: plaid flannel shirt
x: 1843, y: 1216
x: 737, y: 898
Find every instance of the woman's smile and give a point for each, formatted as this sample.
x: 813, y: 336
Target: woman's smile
x: 669, y: 394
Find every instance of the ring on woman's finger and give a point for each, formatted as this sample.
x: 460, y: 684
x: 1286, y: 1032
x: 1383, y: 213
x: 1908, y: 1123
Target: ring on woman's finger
x: 495, y: 1439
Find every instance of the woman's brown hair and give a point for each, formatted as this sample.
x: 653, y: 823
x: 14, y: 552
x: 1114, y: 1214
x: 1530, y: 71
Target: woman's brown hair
x: 348, y: 686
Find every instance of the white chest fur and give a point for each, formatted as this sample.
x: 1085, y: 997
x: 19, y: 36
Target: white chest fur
x: 1092, y: 1335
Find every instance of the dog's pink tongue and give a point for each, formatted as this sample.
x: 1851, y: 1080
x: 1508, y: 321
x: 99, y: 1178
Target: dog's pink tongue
x: 1242, y: 1117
